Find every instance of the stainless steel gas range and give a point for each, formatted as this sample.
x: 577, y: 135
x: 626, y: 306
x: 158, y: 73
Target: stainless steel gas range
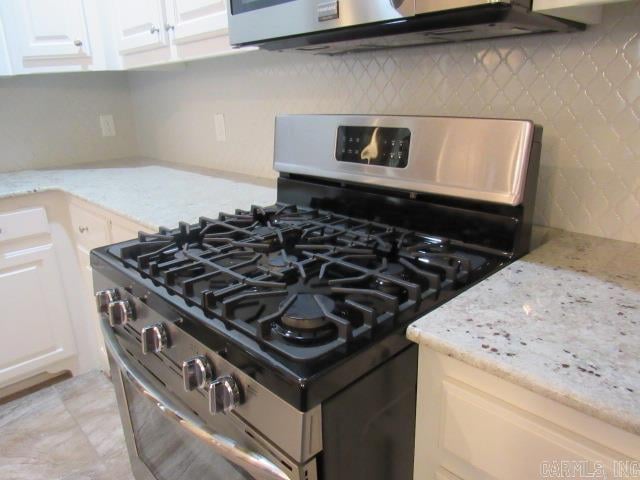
x: 269, y: 343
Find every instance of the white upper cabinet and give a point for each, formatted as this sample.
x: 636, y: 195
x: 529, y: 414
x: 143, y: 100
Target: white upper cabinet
x: 154, y: 32
x: 53, y: 29
x: 73, y: 35
x: 196, y: 19
x: 140, y: 25
x: 585, y: 11
x: 56, y: 35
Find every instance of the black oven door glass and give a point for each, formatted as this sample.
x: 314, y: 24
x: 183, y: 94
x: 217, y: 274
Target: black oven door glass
x: 168, y: 451
x: 242, y: 6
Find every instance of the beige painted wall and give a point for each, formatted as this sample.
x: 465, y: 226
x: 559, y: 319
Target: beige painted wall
x: 583, y: 88
x: 52, y: 120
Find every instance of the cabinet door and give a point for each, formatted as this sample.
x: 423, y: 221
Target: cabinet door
x: 91, y: 229
x: 36, y: 330
x: 87, y: 279
x: 473, y: 425
x: 90, y: 226
x: 123, y: 230
x: 584, y: 11
x: 197, y: 19
x: 140, y: 25
x: 52, y: 29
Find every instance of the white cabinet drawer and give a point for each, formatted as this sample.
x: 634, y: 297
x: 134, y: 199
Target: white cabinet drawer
x: 90, y: 228
x: 502, y: 441
x: 472, y: 425
x: 23, y: 223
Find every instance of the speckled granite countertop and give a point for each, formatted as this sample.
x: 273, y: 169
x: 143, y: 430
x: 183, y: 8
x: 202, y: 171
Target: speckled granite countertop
x: 152, y: 195
x: 564, y: 321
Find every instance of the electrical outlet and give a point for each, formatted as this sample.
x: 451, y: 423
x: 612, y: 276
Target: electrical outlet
x: 221, y: 134
x: 107, y: 125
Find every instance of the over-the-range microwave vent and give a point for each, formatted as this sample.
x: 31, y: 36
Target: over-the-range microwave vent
x: 344, y: 26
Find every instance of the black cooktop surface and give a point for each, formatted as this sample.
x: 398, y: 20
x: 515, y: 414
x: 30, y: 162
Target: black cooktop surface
x: 307, y: 285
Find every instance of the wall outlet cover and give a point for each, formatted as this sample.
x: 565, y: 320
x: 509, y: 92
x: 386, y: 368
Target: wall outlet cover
x: 107, y: 125
x: 221, y: 134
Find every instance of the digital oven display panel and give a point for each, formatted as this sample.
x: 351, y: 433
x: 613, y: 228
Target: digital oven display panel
x: 242, y: 6
x: 383, y: 146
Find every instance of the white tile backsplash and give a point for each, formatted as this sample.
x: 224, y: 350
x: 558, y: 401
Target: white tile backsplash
x: 52, y: 120
x: 584, y: 88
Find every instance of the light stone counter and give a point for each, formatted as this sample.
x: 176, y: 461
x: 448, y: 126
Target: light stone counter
x: 564, y: 321
x: 152, y: 195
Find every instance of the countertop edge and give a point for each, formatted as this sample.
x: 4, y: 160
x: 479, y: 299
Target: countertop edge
x: 22, y: 193
x: 48, y: 186
x: 599, y: 411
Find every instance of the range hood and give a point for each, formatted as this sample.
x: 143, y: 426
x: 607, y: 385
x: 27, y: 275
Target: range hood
x: 342, y: 26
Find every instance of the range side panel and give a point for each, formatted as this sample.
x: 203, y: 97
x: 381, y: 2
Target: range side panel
x: 368, y: 429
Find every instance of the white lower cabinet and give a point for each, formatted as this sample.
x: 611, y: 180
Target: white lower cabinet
x: 90, y: 230
x: 36, y: 329
x: 90, y: 224
x: 48, y: 318
x: 122, y: 229
x: 94, y: 227
x: 474, y: 426
x: 90, y: 310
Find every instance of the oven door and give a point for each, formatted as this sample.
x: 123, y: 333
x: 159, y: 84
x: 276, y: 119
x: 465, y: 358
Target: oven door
x: 168, y: 441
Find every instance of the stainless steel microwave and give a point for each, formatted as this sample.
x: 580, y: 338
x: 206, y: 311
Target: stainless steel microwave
x: 340, y: 26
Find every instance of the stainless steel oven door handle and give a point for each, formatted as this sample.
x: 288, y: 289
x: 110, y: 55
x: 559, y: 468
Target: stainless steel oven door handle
x: 253, y: 463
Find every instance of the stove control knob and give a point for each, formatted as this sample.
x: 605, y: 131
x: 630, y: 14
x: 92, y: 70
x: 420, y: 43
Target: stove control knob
x: 154, y: 338
x: 104, y: 298
x: 120, y: 312
x: 196, y: 373
x: 224, y: 395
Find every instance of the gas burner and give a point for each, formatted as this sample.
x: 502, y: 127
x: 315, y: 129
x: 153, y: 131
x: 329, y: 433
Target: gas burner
x: 393, y: 268
x: 304, y: 321
x: 281, y: 259
x: 303, y: 283
x: 283, y: 265
x: 305, y: 313
x: 387, y: 285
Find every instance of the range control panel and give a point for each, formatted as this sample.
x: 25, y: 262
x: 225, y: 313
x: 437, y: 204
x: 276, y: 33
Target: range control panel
x: 383, y: 146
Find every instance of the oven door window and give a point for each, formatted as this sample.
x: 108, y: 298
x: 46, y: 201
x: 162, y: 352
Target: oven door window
x: 170, y: 452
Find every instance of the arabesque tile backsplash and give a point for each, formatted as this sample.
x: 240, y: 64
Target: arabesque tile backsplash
x: 583, y: 88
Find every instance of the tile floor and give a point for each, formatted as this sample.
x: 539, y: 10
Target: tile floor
x: 68, y: 431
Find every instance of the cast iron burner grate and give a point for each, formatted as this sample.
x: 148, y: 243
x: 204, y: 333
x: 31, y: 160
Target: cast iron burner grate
x: 301, y: 282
